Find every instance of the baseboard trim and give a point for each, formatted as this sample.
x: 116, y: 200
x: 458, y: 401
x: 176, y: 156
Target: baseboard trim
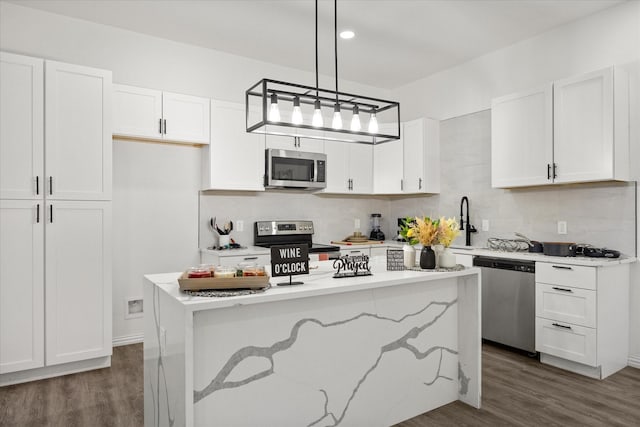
x: 634, y: 361
x: 128, y: 339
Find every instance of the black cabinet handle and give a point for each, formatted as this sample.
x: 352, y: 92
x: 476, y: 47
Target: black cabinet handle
x: 402, y: 185
x: 562, y: 289
x: 548, y: 171
x: 160, y: 126
x: 165, y: 126
x: 555, y: 170
x: 51, y: 214
x: 37, y: 185
x: 38, y: 213
x: 561, y: 326
x: 419, y: 183
x: 50, y: 185
x: 249, y: 258
x: 562, y: 267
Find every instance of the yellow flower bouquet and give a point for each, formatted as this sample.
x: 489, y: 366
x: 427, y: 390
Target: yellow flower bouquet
x: 425, y: 230
x: 448, y: 230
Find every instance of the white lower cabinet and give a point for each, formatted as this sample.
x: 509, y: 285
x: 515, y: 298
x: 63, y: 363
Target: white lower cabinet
x: 215, y: 258
x: 582, y: 317
x: 78, y: 281
x: 21, y: 285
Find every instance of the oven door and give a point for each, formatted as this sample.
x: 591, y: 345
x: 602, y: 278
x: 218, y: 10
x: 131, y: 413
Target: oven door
x: 295, y: 169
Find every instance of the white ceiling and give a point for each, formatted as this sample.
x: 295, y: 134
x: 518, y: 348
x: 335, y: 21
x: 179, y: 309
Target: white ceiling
x: 397, y: 41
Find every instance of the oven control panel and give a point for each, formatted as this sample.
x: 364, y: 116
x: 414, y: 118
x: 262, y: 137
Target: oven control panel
x: 277, y: 228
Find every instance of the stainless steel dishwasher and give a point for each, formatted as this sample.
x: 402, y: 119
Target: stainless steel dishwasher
x: 508, y: 301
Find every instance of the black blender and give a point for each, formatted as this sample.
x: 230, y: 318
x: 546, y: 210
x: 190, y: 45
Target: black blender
x: 376, y: 233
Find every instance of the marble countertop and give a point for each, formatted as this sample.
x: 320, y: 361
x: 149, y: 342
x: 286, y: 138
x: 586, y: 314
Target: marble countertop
x: 318, y: 282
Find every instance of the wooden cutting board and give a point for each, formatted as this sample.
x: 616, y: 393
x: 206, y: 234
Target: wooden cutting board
x: 365, y: 242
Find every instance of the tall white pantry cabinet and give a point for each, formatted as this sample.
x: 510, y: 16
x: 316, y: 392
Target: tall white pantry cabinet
x: 55, y: 218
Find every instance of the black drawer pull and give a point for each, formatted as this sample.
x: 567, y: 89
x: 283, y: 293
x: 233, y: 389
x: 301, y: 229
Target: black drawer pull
x: 562, y: 267
x: 37, y: 185
x: 561, y: 326
x: 248, y: 258
x: 562, y: 289
x: 38, y: 213
x: 50, y: 185
x: 51, y: 214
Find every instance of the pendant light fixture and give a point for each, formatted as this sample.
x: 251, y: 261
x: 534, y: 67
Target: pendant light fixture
x: 266, y: 99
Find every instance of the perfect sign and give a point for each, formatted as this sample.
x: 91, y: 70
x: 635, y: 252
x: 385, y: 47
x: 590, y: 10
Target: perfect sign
x: 289, y: 260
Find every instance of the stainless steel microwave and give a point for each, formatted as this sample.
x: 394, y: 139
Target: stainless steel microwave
x: 295, y: 169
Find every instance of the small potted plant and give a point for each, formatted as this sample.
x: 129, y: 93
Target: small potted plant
x: 426, y: 231
x: 409, y: 252
x: 448, y: 230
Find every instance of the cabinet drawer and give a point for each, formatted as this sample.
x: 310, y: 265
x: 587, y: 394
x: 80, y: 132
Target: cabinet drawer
x: 262, y: 259
x: 567, y: 341
x: 566, y: 275
x: 565, y: 304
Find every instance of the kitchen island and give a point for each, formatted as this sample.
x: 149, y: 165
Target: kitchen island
x: 372, y: 350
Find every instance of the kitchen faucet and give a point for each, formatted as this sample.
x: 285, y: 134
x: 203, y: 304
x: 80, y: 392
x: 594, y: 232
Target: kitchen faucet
x: 470, y: 228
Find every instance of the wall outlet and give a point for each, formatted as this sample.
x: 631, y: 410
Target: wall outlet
x: 562, y: 227
x: 356, y: 223
x: 238, y: 225
x: 133, y: 307
x: 485, y: 225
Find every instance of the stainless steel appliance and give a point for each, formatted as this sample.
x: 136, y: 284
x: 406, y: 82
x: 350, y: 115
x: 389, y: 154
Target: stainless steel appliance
x: 271, y: 233
x: 508, y: 301
x: 295, y: 169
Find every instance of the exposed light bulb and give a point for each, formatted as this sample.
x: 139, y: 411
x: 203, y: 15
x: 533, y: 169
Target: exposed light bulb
x: 296, y: 116
x: 274, y: 112
x: 355, y: 119
x: 337, y: 118
x: 373, y: 123
x: 317, y: 115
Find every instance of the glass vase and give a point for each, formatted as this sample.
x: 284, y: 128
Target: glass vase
x: 427, y: 258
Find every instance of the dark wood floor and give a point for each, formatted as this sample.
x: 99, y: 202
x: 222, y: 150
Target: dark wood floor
x: 516, y: 391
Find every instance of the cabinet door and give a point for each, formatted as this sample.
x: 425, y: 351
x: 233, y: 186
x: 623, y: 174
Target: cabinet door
x: 78, y: 132
x: 521, y: 138
x: 235, y: 159
x: 361, y: 168
x: 567, y: 341
x: 414, y: 156
x: 338, y: 179
x: 186, y: 118
x: 290, y: 143
x: 137, y: 112
x: 21, y: 127
x: 78, y: 277
x: 21, y: 285
x: 583, y: 127
x: 387, y: 164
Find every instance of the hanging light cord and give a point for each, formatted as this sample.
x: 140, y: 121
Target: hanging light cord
x: 317, y: 49
x: 335, y: 41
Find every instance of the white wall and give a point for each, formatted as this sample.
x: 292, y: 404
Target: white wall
x: 155, y: 186
x: 597, y: 41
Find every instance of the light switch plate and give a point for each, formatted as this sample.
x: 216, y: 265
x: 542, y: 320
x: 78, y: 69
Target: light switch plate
x: 485, y: 225
x: 562, y: 227
x: 356, y: 223
x: 238, y: 225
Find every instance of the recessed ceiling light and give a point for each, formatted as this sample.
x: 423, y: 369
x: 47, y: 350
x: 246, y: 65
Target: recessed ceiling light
x: 347, y: 34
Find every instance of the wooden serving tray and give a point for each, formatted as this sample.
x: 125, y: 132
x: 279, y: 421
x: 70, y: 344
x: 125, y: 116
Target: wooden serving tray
x: 248, y: 282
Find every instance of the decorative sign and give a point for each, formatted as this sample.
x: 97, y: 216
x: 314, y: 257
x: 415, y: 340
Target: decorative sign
x: 395, y: 259
x: 289, y: 260
x: 351, y: 266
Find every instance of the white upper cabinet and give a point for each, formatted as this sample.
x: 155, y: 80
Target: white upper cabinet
x: 185, y: 118
x: 574, y: 130
x: 21, y: 285
x: 21, y: 127
x: 522, y: 138
x: 153, y: 114
x: 137, y: 112
x: 583, y: 127
x: 235, y: 159
x: 77, y: 132
x: 421, y: 147
x: 349, y: 168
x: 387, y: 164
x: 289, y: 143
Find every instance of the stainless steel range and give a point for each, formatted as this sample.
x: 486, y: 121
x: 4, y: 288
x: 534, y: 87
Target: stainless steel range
x: 271, y: 233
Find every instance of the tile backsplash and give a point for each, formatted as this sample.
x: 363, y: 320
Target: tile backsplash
x: 602, y: 214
